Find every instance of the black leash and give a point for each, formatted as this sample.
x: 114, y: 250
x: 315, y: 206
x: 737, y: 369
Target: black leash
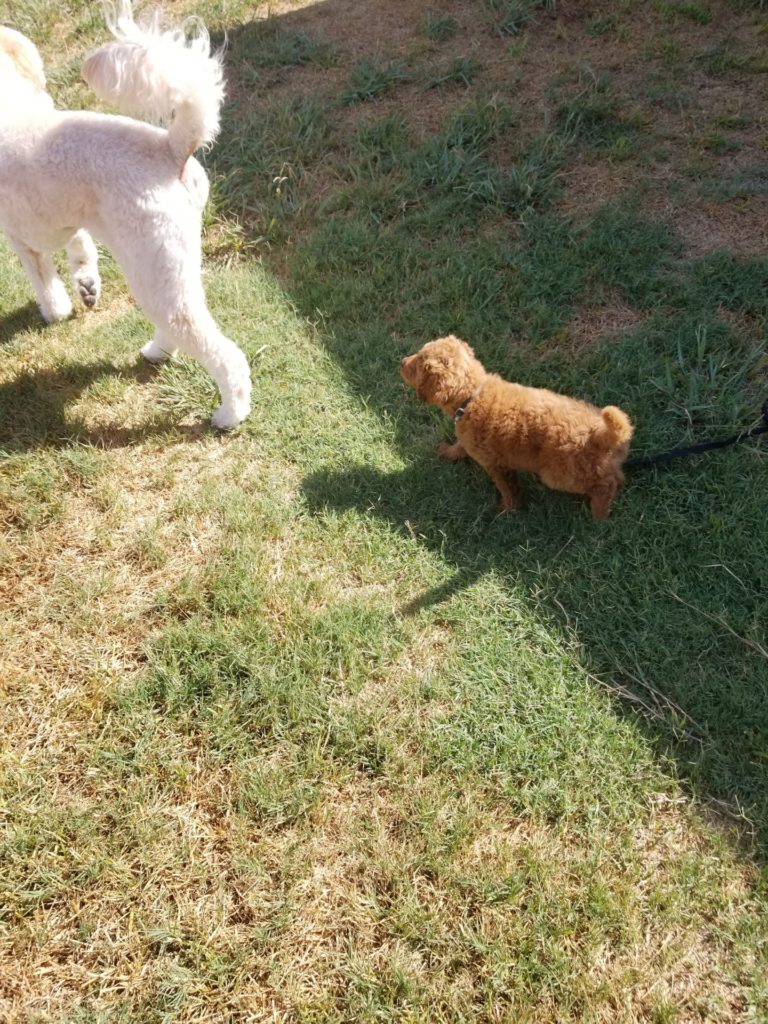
x: 705, y: 446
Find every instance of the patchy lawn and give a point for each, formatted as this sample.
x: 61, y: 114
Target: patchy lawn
x: 294, y: 727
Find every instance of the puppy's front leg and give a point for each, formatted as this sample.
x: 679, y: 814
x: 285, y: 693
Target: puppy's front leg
x: 510, y: 498
x: 453, y: 452
x: 601, y: 497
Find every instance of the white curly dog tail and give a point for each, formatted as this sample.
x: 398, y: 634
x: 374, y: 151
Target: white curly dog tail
x: 169, y: 77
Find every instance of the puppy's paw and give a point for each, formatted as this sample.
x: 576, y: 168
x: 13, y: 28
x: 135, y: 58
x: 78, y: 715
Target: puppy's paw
x: 88, y: 288
x: 509, y: 505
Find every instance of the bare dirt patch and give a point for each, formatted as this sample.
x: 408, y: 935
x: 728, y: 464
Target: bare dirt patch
x: 589, y: 326
x: 739, y: 226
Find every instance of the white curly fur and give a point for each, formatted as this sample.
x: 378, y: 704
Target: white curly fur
x: 65, y: 176
x: 168, y: 78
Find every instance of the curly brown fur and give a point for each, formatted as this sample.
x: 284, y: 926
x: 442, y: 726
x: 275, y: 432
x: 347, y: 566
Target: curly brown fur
x: 571, y: 445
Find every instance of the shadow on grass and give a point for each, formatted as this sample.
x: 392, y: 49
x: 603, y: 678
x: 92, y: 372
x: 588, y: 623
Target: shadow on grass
x: 33, y: 410
x: 666, y: 602
x: 633, y: 597
x: 24, y: 319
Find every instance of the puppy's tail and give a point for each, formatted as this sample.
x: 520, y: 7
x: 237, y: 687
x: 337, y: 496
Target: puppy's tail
x: 169, y: 77
x: 24, y: 55
x: 617, y: 428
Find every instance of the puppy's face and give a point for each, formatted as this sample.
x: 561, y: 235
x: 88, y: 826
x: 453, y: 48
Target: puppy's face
x: 440, y: 370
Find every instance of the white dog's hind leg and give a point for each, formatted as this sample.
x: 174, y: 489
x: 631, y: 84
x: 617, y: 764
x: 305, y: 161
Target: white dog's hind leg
x: 162, y: 269
x: 192, y: 329
x: 160, y: 348
x: 52, y: 298
x: 197, y: 334
x: 84, y: 264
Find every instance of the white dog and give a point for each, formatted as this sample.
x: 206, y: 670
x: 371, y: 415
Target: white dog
x: 65, y: 175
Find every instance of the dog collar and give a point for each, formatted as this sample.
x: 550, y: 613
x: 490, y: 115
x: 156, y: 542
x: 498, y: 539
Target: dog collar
x: 465, y: 404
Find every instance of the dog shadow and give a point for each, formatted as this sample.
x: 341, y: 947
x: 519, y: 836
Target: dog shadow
x: 26, y: 318
x: 644, y: 644
x: 34, y: 410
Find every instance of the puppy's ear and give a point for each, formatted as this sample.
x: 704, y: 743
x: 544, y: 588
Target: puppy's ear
x: 434, y: 380
x: 424, y: 383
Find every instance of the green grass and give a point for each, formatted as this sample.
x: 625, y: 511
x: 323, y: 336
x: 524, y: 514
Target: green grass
x: 593, y: 118
x: 752, y: 181
x: 458, y: 71
x: 511, y: 17
x: 698, y: 13
x: 296, y: 726
x: 371, y: 77
x: 728, y: 57
x: 265, y: 46
x: 438, y: 27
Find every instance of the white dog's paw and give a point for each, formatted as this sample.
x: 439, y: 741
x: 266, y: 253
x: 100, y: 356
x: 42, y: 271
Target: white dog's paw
x: 155, y: 353
x: 89, y: 288
x: 57, y: 306
x: 227, y: 416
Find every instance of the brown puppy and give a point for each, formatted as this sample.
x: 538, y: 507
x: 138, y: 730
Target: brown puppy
x: 571, y: 445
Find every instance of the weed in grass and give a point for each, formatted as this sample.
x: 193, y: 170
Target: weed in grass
x: 531, y: 183
x: 739, y: 185
x: 452, y: 169
x: 455, y: 161
x: 674, y: 10
x: 593, y: 117
x: 668, y: 91
x: 511, y: 17
x: 475, y: 126
x: 737, y: 284
x: 696, y: 12
x: 733, y: 122
x: 706, y: 381
x: 458, y: 71
x: 600, y: 25
x: 727, y: 57
x: 439, y: 27
x: 370, y: 77
x: 622, y: 250
x: 383, y: 145
x: 719, y: 144
x: 32, y: 495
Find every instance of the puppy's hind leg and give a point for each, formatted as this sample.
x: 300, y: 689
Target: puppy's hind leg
x: 52, y: 297
x: 84, y: 265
